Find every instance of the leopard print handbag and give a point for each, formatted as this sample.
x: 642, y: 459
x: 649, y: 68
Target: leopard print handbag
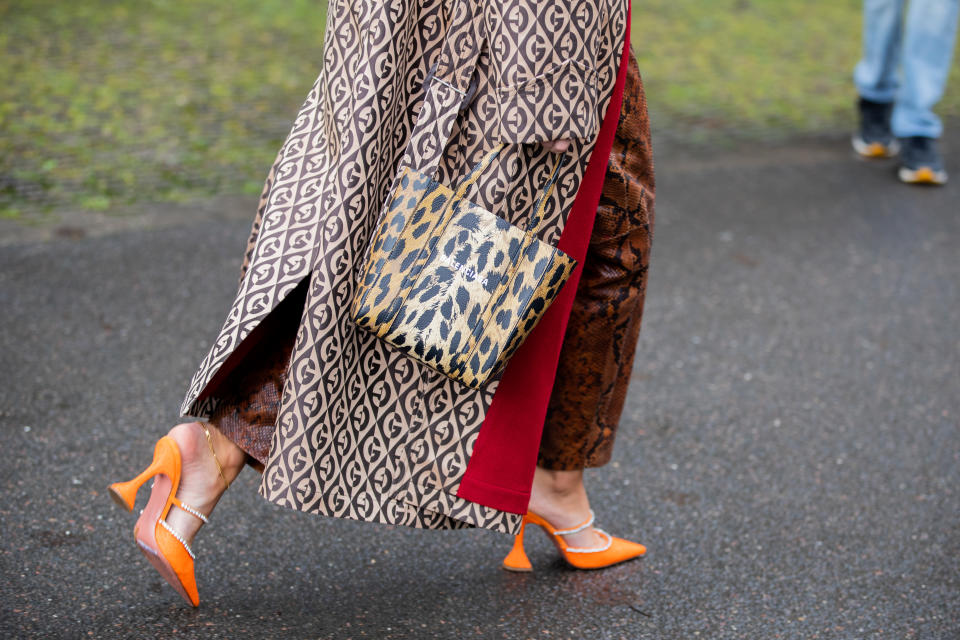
x: 453, y: 285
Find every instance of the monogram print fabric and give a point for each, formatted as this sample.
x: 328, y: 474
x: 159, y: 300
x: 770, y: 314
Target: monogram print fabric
x: 364, y: 431
x: 547, y: 70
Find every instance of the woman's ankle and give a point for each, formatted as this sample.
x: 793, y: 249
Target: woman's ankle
x: 201, y: 483
x: 560, y: 482
x: 218, y: 454
x: 560, y: 496
x: 231, y: 457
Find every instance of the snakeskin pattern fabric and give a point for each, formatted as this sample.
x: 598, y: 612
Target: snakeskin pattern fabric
x: 363, y: 431
x: 601, y: 338
x: 247, y: 413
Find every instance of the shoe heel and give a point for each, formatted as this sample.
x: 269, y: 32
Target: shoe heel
x: 125, y: 493
x: 517, y: 559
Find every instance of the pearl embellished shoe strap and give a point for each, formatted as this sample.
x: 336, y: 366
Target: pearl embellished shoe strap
x: 602, y: 547
x: 206, y: 431
x: 176, y: 534
x: 577, y: 529
x: 583, y: 527
x: 191, y: 510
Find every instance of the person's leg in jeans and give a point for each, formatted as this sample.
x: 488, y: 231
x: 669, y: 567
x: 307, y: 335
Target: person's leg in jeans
x: 876, y: 77
x: 900, y: 77
x: 929, y: 36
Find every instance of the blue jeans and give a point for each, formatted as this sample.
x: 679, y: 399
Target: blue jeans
x: 907, y: 62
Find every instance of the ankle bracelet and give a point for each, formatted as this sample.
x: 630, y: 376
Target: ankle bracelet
x: 206, y: 431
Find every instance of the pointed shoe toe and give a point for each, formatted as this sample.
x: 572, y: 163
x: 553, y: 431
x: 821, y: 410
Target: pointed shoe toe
x: 628, y: 549
x: 176, y: 564
x: 613, y: 551
x: 620, y: 550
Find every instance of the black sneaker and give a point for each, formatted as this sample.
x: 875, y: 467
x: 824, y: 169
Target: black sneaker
x: 920, y: 161
x: 875, y: 139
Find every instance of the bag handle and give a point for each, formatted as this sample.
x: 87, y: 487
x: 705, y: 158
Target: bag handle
x: 471, y: 178
x: 446, y: 88
x: 536, y: 218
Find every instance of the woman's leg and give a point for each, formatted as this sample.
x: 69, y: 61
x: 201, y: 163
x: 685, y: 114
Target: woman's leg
x: 597, y: 355
x: 242, y: 425
x: 200, y: 482
x: 561, y: 498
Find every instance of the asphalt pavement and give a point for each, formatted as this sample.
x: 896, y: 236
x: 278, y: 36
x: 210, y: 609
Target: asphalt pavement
x: 789, y: 451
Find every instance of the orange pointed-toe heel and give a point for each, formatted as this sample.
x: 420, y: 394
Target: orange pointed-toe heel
x: 613, y: 551
x: 164, y: 547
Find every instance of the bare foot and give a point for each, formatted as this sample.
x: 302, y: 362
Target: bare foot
x: 561, y: 499
x: 200, y: 483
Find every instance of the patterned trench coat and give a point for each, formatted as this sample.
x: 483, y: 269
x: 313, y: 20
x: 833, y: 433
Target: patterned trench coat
x: 363, y: 431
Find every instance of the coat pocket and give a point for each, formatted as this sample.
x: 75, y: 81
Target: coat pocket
x: 559, y: 103
x: 544, y: 56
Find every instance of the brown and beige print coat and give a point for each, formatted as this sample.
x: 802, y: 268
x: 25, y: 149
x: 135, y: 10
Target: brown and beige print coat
x: 364, y: 432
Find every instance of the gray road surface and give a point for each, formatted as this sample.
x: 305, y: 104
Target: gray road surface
x: 790, y: 450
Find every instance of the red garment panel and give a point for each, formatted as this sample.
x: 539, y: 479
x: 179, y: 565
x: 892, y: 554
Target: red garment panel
x: 500, y: 471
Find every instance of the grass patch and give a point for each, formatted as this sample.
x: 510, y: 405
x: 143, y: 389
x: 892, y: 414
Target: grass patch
x: 121, y: 101
x: 754, y: 68
x: 105, y: 103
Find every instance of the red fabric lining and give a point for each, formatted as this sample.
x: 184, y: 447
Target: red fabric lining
x: 500, y: 471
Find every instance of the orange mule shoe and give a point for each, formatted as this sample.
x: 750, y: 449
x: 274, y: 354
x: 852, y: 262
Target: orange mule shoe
x: 613, y: 551
x: 164, y: 547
